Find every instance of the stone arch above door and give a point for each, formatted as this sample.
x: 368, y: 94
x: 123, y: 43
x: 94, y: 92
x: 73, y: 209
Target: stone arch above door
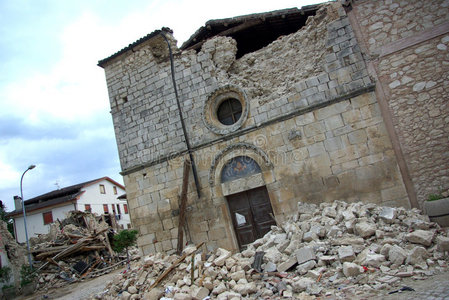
x: 265, y: 176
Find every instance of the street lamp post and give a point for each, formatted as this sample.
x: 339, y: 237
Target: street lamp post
x: 24, y: 215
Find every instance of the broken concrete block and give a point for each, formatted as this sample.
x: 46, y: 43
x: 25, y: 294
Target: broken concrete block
x: 245, y: 288
x: 153, y: 294
x: 422, y: 237
x: 365, y: 229
x: 313, y: 274
x: 318, y: 230
x: 283, y: 245
x: 397, y: 255
x: 351, y: 269
x: 346, y: 253
x: 388, y: 214
x: 443, y: 243
x: 327, y: 259
x: 283, y: 267
x: 182, y: 296
x: 132, y: 290
x: 314, y: 289
x: 302, y: 284
x: 238, y: 275
x: 404, y: 274
x: 199, y: 293
x: 310, y: 236
x: 369, y: 259
x: 220, y: 288
x: 334, y: 231
x: 304, y: 267
x: 279, y: 238
x: 329, y: 212
x: 347, y: 215
x: 294, y: 243
x: 270, y: 267
x: 272, y: 254
x: 125, y: 294
x: 248, y: 253
x: 223, y: 255
x: 305, y: 254
x: 385, y: 250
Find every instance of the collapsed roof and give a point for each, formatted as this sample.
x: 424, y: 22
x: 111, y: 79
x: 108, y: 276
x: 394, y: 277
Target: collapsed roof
x: 254, y: 31
x: 251, y: 32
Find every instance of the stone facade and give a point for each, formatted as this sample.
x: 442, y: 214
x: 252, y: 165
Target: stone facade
x: 314, y: 124
x: 407, y: 43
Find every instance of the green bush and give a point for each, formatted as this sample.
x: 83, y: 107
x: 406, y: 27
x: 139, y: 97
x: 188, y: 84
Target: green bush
x: 5, y: 274
x: 7, y: 286
x: 124, y: 239
x: 27, y: 275
x: 433, y: 197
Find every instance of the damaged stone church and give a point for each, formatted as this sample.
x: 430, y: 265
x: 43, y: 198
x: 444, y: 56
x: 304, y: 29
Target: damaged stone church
x: 337, y: 101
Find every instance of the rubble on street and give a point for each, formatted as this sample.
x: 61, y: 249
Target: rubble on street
x: 337, y: 250
x: 78, y: 247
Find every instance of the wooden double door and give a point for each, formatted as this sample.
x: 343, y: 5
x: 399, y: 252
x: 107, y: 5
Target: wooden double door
x: 251, y: 213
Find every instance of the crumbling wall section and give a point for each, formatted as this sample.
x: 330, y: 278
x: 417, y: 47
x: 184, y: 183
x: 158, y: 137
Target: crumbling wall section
x: 12, y: 254
x: 408, y: 43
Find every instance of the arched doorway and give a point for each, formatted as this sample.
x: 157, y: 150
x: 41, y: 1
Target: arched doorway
x: 250, y: 210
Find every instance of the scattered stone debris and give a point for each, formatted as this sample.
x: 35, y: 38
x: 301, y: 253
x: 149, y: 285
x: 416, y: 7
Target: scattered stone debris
x: 77, y: 247
x: 334, y: 249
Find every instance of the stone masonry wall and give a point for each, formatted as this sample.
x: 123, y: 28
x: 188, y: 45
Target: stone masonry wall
x: 356, y: 164
x: 416, y: 82
x: 386, y: 21
x: 314, y: 126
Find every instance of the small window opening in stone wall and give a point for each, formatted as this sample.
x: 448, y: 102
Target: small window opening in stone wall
x: 229, y: 111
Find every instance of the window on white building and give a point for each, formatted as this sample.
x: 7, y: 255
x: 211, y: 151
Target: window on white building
x: 48, y: 217
x: 115, y: 190
x: 102, y: 189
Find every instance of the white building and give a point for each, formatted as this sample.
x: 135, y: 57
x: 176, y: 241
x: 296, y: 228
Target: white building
x: 98, y: 196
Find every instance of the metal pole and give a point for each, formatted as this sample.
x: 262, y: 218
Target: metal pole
x: 25, y: 217
x: 186, y: 137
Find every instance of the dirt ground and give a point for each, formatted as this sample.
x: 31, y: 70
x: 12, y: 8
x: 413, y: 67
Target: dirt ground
x: 78, y: 290
x: 433, y: 287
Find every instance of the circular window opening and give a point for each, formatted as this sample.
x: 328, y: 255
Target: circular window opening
x: 225, y: 109
x: 229, y: 111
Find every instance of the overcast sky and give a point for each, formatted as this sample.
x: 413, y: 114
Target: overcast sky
x: 53, y: 96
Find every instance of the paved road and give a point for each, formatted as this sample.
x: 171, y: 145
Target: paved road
x: 432, y: 288
x: 76, y: 291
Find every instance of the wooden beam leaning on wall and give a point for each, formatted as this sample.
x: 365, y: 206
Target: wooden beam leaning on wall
x: 183, y: 204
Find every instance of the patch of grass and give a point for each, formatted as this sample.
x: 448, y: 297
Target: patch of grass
x: 433, y: 197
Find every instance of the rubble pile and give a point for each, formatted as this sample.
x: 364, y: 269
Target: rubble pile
x: 75, y: 248
x: 331, y: 250
x: 15, y: 253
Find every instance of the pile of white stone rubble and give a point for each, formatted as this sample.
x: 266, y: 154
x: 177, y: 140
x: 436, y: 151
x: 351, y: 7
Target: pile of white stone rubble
x: 336, y: 250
